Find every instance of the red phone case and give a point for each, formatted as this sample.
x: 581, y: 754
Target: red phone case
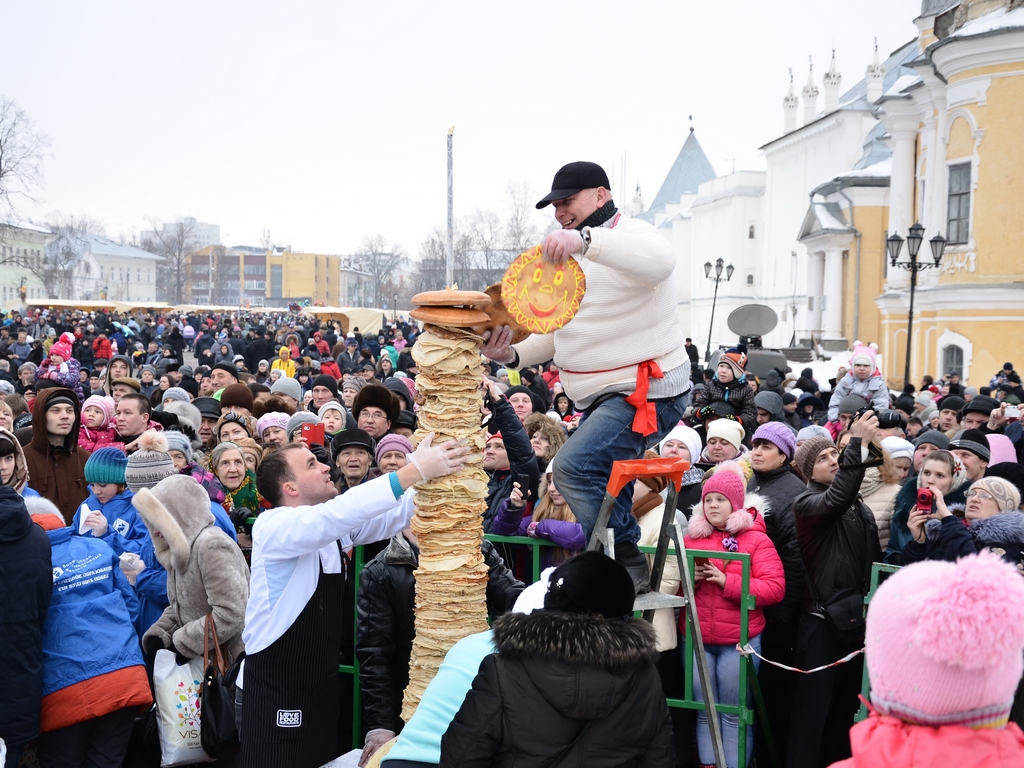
x: 314, y: 433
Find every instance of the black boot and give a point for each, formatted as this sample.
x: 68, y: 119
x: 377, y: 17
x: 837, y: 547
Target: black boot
x: 635, y: 562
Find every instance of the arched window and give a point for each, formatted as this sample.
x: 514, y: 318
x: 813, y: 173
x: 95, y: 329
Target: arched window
x: 750, y: 278
x: 953, y: 359
x: 750, y: 232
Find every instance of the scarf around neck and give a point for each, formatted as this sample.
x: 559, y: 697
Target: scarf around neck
x: 244, y: 495
x: 599, y: 217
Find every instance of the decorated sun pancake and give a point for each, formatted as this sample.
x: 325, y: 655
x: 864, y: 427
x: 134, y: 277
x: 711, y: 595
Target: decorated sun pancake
x: 541, y: 296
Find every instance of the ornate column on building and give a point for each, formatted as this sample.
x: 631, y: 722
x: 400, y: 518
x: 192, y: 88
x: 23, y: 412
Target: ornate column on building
x: 832, y: 312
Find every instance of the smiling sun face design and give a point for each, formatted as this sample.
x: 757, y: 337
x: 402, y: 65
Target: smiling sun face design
x: 540, y: 296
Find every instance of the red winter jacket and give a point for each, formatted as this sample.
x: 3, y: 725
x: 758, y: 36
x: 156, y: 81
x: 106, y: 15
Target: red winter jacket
x: 101, y: 348
x: 330, y: 367
x: 718, y: 610
x: 887, y: 742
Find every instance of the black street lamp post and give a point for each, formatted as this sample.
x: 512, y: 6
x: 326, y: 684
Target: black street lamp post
x: 718, y: 266
x: 914, y: 239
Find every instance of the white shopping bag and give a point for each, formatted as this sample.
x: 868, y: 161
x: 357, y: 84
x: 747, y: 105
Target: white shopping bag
x: 176, y: 690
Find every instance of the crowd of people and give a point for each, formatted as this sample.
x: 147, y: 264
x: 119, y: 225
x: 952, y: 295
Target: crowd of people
x: 142, y: 492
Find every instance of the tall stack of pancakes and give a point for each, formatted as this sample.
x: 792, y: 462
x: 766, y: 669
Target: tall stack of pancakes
x: 451, y: 580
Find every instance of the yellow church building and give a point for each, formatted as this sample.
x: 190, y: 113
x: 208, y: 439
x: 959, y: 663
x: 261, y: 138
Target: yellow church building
x: 954, y: 129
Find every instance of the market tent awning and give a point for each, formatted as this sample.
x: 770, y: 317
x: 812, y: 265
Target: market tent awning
x: 82, y: 304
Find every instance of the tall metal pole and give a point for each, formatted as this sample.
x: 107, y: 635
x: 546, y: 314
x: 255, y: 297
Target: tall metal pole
x: 714, y: 301
x: 449, y: 267
x: 910, y: 317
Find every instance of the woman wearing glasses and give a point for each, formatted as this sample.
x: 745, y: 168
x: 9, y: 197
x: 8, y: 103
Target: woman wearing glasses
x: 993, y: 521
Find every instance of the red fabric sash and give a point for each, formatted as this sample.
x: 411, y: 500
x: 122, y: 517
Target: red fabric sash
x: 646, y: 420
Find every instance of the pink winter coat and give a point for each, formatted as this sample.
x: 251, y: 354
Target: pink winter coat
x: 718, y: 610
x: 91, y: 439
x: 887, y: 742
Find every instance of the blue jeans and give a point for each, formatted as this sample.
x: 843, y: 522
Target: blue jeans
x: 605, y: 435
x: 724, y: 671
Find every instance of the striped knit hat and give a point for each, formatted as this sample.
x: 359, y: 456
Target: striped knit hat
x: 150, y: 464
x: 106, y: 465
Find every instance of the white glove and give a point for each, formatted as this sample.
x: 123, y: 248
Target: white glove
x: 132, y: 565
x: 438, y: 460
x: 97, y: 523
x: 375, y: 739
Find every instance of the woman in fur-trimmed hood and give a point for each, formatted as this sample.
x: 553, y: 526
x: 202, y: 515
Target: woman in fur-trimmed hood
x: 205, y: 569
x: 572, y: 684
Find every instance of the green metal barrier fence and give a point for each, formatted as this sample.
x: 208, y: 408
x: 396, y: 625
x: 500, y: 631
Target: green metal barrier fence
x: 877, y: 569
x: 747, y: 673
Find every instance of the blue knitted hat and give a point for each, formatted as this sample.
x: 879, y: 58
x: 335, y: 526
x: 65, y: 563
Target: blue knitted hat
x: 106, y: 465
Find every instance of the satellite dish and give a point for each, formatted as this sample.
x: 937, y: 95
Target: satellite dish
x: 752, y: 320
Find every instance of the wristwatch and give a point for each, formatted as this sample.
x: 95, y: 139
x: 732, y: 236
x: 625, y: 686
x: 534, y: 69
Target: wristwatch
x: 585, y: 234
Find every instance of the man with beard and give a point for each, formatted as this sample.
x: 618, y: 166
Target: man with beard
x: 633, y: 391
x: 293, y: 621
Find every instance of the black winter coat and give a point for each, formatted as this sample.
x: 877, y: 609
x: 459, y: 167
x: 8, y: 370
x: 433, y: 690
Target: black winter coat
x: 385, y: 631
x: 26, y: 583
x: 780, y: 489
x: 950, y: 539
x: 830, y: 527
x: 564, y: 690
x: 521, y: 459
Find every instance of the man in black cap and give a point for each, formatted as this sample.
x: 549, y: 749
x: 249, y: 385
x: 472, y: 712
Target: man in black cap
x: 949, y: 413
x: 349, y: 359
x: 976, y: 414
x: 353, y: 451
x: 209, y: 410
x: 224, y: 374
x: 632, y: 392
x: 972, y: 447
x: 325, y: 389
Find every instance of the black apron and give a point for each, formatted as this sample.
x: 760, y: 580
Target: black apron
x: 290, y: 705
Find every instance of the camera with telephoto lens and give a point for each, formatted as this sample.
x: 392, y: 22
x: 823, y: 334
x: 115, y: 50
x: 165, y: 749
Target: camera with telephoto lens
x: 926, y: 500
x: 886, y: 419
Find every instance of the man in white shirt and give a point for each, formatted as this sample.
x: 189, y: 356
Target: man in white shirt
x: 293, y: 619
x: 621, y: 358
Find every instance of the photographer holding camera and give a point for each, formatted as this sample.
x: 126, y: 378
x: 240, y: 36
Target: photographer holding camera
x: 838, y: 541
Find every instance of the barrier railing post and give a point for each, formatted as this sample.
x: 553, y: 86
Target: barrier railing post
x: 877, y: 569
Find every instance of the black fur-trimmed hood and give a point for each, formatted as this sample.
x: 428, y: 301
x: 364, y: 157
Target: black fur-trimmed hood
x: 574, y: 639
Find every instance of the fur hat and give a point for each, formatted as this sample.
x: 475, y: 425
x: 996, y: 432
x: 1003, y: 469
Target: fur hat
x: 688, y: 437
x: 43, y: 512
x: 779, y: 435
x: 105, y: 404
x: 807, y: 454
x: 376, y: 396
x: 150, y: 464
x: 189, y: 419
x: 972, y: 440
x: 730, y: 431
x: 289, y: 387
x: 945, y: 642
x: 63, y: 347
x: 179, y: 508
x: 735, y: 358
x: 864, y: 354
x: 236, y: 395
x: 392, y: 443
x: 106, y: 465
x: 1007, y: 497
x: 898, y: 448
x: 591, y: 582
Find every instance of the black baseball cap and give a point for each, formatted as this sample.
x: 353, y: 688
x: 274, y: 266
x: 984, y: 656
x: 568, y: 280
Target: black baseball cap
x: 573, y: 177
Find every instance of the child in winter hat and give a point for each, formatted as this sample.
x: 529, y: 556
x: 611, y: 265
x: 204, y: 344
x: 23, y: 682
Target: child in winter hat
x: 151, y: 463
x: 108, y: 510
x: 864, y: 380
x: 727, y: 520
x: 97, y: 428
x: 945, y: 651
x: 61, y: 367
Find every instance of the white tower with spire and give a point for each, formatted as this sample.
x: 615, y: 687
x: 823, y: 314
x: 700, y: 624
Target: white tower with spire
x: 810, y: 95
x: 790, y: 105
x: 831, y: 84
x: 873, y: 78
x: 638, y: 202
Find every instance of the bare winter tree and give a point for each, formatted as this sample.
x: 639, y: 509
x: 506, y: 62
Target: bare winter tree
x: 380, y: 259
x: 22, y: 148
x: 174, y: 246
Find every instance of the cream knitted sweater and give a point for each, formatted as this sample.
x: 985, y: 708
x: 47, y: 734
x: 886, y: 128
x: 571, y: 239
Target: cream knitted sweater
x: 627, y: 316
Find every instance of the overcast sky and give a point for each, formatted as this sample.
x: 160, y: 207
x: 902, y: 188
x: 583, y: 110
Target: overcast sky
x: 325, y: 121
